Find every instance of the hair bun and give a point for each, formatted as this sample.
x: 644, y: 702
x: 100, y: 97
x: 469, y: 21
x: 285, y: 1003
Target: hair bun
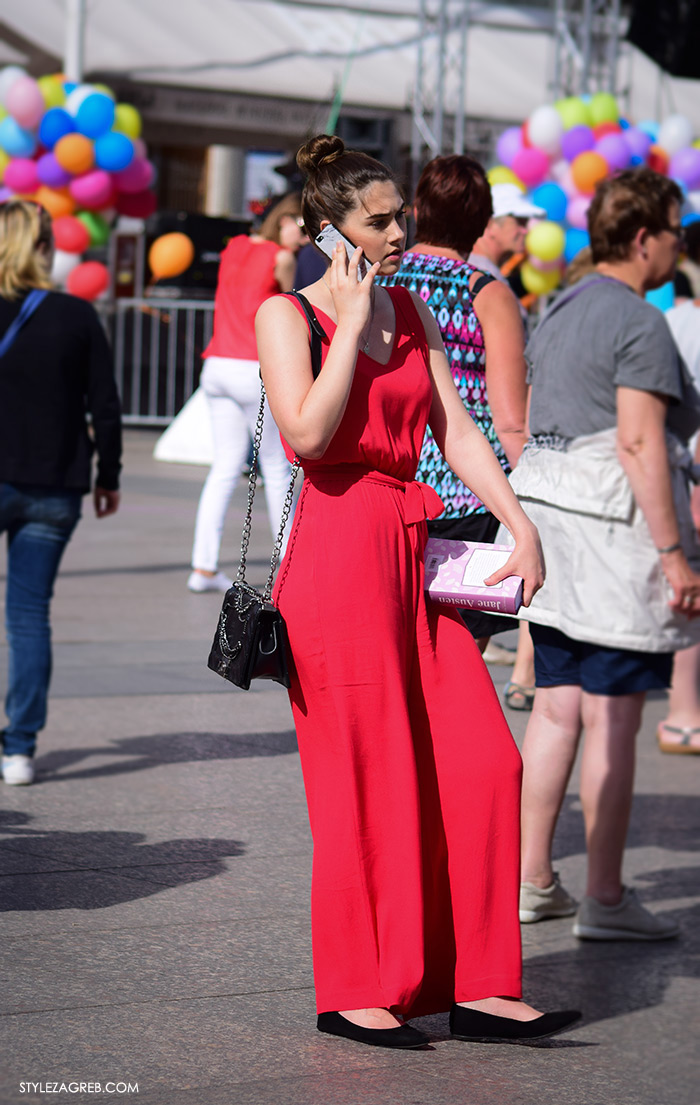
x: 319, y: 151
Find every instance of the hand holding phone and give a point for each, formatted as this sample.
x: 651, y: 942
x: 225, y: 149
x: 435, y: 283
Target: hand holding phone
x: 329, y: 238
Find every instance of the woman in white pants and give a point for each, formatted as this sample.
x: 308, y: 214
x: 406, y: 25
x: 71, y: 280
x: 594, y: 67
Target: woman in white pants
x: 252, y: 268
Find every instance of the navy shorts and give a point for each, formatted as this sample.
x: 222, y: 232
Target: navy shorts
x: 561, y: 661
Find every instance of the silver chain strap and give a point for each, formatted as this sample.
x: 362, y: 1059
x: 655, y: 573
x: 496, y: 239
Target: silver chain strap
x: 286, y: 509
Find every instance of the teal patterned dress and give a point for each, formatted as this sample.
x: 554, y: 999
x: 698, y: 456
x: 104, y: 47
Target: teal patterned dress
x: 444, y: 285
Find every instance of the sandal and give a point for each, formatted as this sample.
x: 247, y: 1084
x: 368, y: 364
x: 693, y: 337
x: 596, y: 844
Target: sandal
x: 519, y: 697
x: 683, y: 745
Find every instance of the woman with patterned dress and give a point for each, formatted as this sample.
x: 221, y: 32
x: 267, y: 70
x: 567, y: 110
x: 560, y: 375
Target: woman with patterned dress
x: 483, y: 339
x: 413, y: 806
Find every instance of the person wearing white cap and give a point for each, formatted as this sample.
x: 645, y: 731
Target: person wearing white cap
x: 506, y: 230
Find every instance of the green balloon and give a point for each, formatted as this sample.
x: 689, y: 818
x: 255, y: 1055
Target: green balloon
x: 604, y: 108
x: 96, y: 226
x: 573, y: 112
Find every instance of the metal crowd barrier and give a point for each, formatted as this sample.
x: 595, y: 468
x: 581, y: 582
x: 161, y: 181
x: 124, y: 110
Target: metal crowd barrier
x: 157, y: 346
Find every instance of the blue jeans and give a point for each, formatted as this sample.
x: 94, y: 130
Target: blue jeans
x: 39, y: 523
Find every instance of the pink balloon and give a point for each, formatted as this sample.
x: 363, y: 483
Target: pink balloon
x: 140, y: 148
x: 25, y: 102
x: 136, y: 177
x: 531, y: 165
x: 615, y: 150
x: 577, y: 210
x: 510, y: 142
x: 21, y: 175
x: 93, y: 189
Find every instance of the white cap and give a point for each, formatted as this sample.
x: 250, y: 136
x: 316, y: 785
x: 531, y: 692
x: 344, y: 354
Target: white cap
x: 507, y: 199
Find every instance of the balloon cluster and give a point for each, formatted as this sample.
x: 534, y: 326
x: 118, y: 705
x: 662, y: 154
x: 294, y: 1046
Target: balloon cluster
x: 77, y: 152
x: 563, y: 150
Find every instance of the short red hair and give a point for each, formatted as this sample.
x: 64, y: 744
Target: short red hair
x: 453, y: 202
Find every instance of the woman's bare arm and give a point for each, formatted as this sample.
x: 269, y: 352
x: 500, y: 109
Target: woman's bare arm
x: 504, y: 342
x: 285, y: 266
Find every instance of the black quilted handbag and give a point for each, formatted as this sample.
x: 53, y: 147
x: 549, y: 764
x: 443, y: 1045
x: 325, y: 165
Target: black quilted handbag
x: 251, y: 638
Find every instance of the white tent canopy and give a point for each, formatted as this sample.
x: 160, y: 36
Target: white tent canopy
x: 309, y: 48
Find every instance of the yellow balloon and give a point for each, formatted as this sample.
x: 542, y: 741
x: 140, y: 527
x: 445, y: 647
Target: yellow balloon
x: 696, y: 143
x: 604, y: 108
x: 5, y: 160
x: 170, y: 255
x: 52, y: 90
x: 573, y: 112
x: 127, y: 120
x: 545, y: 241
x: 104, y: 90
x: 500, y: 174
x: 537, y: 282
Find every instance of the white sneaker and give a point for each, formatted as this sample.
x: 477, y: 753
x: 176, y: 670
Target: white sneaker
x: 199, y: 582
x: 539, y: 905
x: 628, y: 920
x: 18, y: 770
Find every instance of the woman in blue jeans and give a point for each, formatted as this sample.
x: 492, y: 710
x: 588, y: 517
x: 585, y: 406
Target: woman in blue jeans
x: 55, y: 367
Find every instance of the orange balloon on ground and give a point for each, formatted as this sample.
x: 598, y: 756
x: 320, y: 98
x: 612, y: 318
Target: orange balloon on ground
x: 587, y: 169
x: 170, y: 255
x: 57, y: 201
x: 75, y: 153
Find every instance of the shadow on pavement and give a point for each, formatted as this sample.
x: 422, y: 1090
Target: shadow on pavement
x: 140, y: 753
x: 94, y: 870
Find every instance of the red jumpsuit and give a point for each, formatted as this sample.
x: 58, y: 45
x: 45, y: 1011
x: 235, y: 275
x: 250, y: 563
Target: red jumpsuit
x: 412, y: 777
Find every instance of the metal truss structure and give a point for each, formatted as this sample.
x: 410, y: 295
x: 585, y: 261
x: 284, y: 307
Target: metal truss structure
x: 587, y: 42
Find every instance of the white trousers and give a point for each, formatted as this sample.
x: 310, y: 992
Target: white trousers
x: 232, y: 388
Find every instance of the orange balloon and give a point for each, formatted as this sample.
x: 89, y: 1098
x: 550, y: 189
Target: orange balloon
x: 658, y: 160
x: 57, y: 201
x: 75, y: 153
x: 170, y: 255
x: 587, y: 169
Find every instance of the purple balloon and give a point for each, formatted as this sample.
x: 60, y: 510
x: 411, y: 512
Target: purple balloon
x: 577, y: 140
x: 510, y: 142
x: 637, y: 141
x: 51, y: 173
x: 685, y: 167
x: 5, y: 194
x: 615, y: 151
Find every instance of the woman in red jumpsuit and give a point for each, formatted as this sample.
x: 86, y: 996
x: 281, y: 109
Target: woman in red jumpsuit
x: 411, y: 774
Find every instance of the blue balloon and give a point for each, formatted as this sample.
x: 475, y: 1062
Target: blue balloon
x: 55, y: 124
x: 624, y: 124
x: 114, y: 151
x: 691, y: 217
x: 553, y: 199
x: 95, y: 115
x: 15, y: 140
x: 651, y: 128
x: 662, y: 297
x: 576, y: 240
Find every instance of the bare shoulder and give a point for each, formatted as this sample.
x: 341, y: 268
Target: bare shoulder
x: 279, y: 309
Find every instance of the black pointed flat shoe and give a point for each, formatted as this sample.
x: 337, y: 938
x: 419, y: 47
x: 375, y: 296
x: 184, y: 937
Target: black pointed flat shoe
x: 472, y: 1024
x: 404, y: 1035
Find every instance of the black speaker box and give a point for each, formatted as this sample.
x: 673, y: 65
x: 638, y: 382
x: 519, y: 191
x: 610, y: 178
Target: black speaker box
x: 668, y: 31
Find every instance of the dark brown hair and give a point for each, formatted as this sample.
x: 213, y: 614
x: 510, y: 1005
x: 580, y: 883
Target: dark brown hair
x: 623, y: 205
x: 453, y: 202
x: 336, y: 179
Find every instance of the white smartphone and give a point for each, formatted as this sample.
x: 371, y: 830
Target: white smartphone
x: 329, y: 238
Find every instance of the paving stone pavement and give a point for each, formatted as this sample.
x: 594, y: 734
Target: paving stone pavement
x: 155, y: 880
